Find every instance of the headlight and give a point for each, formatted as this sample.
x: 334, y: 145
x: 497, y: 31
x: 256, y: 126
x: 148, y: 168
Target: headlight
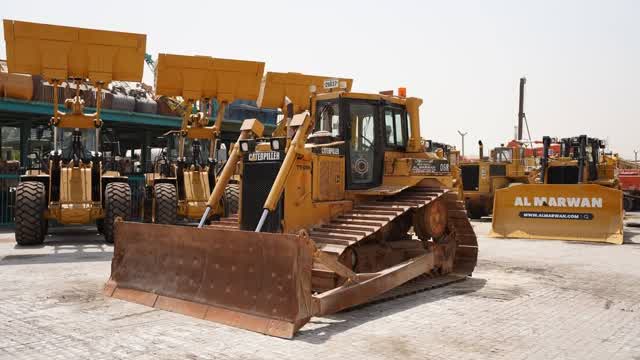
x: 275, y: 144
x: 244, y: 146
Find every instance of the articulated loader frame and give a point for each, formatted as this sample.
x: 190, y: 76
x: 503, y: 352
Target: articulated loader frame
x: 76, y: 189
x: 578, y: 198
x: 274, y: 279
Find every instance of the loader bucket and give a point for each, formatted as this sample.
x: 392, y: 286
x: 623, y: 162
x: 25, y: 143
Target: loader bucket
x: 583, y: 212
x: 255, y: 281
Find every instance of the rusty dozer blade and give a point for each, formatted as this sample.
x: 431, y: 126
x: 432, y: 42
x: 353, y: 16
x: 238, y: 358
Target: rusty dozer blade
x: 255, y: 281
x: 583, y: 212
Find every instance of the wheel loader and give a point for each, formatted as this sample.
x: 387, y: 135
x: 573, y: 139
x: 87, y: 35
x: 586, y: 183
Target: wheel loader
x: 577, y: 197
x: 480, y: 179
x: 75, y: 188
x: 342, y: 210
x: 179, y: 188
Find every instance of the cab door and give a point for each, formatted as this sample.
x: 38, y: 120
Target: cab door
x: 365, y: 147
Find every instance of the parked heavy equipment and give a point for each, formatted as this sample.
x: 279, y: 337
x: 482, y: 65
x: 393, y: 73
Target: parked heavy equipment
x: 179, y: 187
x: 452, y: 154
x: 341, y: 210
x: 630, y: 185
x: 481, y: 178
x: 75, y: 188
x: 577, y: 197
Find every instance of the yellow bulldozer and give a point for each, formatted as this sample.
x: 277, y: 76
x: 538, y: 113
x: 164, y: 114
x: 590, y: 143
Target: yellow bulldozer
x: 577, y: 197
x: 480, y: 179
x: 75, y: 187
x: 341, y: 210
x: 179, y: 187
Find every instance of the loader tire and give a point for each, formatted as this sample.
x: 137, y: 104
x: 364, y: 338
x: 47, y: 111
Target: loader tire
x: 117, y: 203
x: 231, y: 199
x: 628, y: 204
x: 166, y: 204
x: 31, y: 226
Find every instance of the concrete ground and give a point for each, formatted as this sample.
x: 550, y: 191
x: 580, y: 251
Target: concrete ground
x: 527, y: 300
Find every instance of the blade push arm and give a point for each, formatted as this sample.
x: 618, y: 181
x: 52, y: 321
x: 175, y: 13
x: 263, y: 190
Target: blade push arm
x: 249, y: 128
x: 304, y: 122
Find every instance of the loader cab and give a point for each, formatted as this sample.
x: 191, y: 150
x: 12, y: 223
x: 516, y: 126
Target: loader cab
x: 580, y: 161
x: 502, y: 155
x: 75, y: 144
x: 367, y: 127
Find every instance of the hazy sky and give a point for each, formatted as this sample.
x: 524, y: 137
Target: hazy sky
x: 464, y: 58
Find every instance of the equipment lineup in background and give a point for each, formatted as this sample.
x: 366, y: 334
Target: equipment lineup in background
x: 341, y: 204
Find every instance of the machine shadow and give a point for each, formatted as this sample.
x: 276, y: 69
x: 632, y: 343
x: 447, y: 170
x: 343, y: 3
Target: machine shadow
x: 351, y: 318
x: 65, y: 245
x: 631, y: 235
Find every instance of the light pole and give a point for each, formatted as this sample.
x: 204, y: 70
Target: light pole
x: 462, y: 135
x: 636, y: 152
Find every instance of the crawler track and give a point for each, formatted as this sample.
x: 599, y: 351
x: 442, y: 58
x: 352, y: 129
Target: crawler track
x: 373, y: 221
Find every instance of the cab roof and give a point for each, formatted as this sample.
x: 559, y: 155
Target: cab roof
x: 362, y: 96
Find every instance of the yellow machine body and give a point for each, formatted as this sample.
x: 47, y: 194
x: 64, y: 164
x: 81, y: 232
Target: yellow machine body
x: 75, y: 205
x: 560, y: 206
x: 324, y: 222
x: 197, y: 192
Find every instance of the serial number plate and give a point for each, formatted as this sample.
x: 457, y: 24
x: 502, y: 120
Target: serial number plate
x: 429, y: 166
x: 331, y: 83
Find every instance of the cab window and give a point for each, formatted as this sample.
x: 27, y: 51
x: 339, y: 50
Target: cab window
x: 503, y: 155
x: 328, y: 118
x: 395, y: 128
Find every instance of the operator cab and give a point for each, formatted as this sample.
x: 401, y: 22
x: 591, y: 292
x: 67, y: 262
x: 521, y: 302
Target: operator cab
x: 502, y: 154
x: 364, y: 128
x: 579, y: 160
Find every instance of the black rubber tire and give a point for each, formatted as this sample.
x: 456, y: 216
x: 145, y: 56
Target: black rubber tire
x: 628, y: 204
x: 31, y: 203
x: 166, y: 203
x: 117, y: 203
x: 231, y: 199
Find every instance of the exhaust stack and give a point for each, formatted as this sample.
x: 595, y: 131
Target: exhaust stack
x: 521, y: 107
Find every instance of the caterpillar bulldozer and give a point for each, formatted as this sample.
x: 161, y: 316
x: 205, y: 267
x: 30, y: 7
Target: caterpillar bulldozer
x: 341, y: 210
x: 577, y: 197
x: 179, y: 188
x: 480, y: 179
x: 76, y: 188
